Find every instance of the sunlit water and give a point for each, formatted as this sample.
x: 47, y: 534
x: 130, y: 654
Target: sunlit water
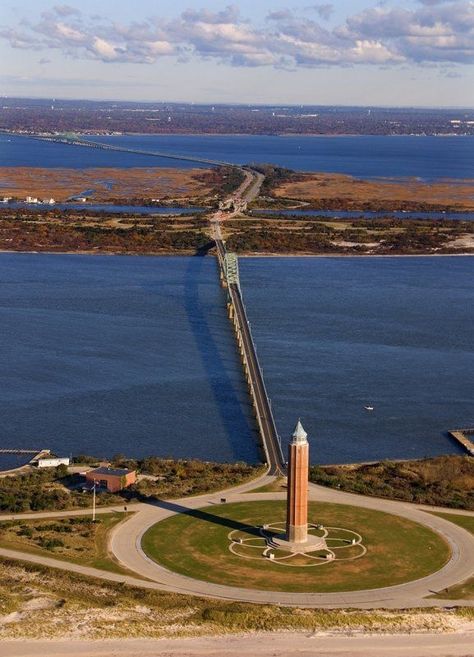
x: 108, y: 354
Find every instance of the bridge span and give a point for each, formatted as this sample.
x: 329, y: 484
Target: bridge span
x: 253, y: 372
x: 228, y: 264
x: 77, y: 141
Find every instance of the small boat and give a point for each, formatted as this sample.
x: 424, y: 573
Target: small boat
x: 369, y: 408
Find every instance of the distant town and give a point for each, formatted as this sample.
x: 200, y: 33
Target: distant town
x: 51, y: 116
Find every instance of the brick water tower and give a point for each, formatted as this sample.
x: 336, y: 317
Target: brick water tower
x: 297, y: 495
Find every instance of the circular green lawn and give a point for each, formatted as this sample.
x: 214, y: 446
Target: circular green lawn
x: 196, y: 544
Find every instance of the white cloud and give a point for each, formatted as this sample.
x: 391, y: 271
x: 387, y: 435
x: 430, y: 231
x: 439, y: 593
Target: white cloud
x: 104, y: 49
x: 435, y: 31
x: 63, y: 31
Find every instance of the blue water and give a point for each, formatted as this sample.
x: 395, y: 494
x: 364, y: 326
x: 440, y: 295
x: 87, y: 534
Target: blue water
x: 108, y: 354
x: 365, y: 156
x: 336, y: 334
x: 18, y: 151
x: 150, y: 210
x: 12, y: 461
x: 360, y: 214
x: 102, y: 355
x: 106, y: 207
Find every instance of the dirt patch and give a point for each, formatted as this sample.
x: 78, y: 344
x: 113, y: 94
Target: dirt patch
x: 464, y: 242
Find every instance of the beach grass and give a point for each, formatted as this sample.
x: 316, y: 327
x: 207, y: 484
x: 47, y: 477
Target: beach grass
x: 76, y: 539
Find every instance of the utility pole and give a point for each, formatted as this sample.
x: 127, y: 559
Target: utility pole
x: 93, y: 501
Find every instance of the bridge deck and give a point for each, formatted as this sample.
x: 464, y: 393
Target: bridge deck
x: 265, y: 419
x: 135, y: 151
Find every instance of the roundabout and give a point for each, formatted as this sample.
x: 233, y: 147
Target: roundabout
x: 360, y: 549
x: 127, y: 544
x: 266, y: 547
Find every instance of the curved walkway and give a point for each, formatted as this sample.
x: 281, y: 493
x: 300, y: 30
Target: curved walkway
x: 126, y: 546
x: 126, y: 538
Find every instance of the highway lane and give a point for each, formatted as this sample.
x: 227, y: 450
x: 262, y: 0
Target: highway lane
x: 269, y: 434
x: 248, y: 191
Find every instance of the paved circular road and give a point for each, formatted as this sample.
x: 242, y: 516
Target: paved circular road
x: 126, y: 546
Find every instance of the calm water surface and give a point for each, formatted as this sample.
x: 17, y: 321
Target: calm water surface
x: 106, y: 207
x: 135, y: 354
x: 102, y: 355
x: 336, y: 334
x: 365, y: 156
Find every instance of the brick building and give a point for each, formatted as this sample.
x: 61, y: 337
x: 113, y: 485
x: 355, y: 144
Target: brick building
x: 112, y: 479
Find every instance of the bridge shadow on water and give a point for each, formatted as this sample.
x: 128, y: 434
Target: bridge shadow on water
x: 237, y: 423
x: 204, y: 515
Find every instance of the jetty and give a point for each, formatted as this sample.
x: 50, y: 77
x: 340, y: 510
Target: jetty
x: 35, y: 454
x: 24, y: 451
x: 461, y: 436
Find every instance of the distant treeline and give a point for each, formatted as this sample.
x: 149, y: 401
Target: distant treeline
x: 168, y: 118
x: 55, y: 490
x: 440, y: 481
x: 32, y: 234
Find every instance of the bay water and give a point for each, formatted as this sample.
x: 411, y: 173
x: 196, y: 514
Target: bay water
x: 369, y: 156
x: 135, y: 355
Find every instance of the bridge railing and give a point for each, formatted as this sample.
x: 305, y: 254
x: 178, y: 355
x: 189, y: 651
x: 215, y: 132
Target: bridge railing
x: 135, y: 151
x: 270, y: 415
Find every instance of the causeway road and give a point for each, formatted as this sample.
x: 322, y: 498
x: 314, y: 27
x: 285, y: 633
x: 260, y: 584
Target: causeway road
x: 248, y: 190
x: 266, y: 422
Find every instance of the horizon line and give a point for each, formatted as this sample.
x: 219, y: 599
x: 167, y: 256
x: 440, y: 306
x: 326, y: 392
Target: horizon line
x: 233, y: 103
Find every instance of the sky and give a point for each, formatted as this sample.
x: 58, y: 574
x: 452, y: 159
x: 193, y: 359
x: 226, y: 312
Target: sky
x: 357, y: 52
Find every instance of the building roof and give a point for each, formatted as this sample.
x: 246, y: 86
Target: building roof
x: 299, y: 434
x: 116, y: 472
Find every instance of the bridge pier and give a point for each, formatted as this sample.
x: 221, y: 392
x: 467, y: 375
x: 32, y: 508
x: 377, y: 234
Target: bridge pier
x: 229, y: 277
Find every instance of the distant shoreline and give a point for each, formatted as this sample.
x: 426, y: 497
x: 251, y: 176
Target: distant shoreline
x: 245, y: 255
x: 243, y: 134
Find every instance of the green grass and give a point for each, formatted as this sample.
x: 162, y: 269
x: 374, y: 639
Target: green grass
x: 85, y: 543
x: 467, y: 522
x: 196, y: 545
x: 463, y: 591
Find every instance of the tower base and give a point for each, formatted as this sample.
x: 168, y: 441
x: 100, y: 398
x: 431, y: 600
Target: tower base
x: 297, y: 533
x: 280, y: 542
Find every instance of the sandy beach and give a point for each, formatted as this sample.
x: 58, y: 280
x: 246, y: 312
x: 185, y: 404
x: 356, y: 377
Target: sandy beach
x: 257, y: 645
